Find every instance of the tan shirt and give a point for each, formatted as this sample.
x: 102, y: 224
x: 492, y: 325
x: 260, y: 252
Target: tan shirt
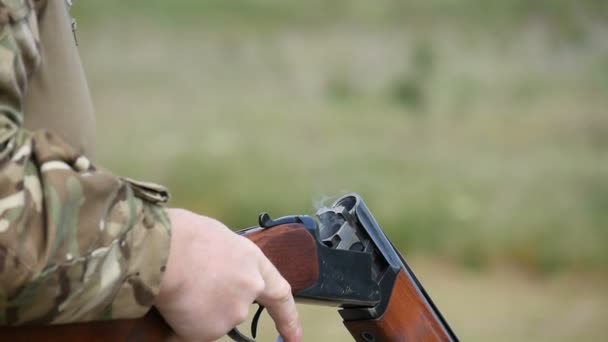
x: 76, y: 242
x: 58, y: 96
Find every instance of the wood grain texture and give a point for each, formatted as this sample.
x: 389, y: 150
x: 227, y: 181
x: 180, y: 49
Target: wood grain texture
x: 407, y: 318
x: 151, y: 328
x: 293, y: 251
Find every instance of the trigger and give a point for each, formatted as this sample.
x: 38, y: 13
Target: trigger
x: 256, y: 318
x: 237, y: 336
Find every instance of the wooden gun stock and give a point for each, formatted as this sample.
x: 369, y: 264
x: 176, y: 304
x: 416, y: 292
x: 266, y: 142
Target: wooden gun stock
x: 150, y: 328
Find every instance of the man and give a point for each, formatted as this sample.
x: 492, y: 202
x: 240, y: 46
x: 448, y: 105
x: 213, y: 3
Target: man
x: 78, y: 243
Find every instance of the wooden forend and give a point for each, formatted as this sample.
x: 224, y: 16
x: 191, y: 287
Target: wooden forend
x: 407, y: 318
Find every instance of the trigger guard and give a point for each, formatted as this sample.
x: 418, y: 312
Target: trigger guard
x: 237, y: 336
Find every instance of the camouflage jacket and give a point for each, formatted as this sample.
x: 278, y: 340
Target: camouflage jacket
x: 76, y: 242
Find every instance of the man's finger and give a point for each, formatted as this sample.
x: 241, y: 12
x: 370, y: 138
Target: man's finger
x: 278, y: 300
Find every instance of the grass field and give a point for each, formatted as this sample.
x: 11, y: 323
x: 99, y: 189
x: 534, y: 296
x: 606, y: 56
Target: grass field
x: 492, y: 152
x: 476, y: 132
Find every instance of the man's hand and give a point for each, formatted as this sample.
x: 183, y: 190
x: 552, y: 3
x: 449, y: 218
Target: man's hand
x: 213, y: 275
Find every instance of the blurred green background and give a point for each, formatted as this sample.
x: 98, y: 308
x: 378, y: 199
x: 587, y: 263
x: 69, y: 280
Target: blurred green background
x: 477, y: 131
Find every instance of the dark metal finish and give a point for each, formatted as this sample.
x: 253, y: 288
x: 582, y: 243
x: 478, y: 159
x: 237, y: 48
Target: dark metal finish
x: 355, y: 206
x: 266, y: 221
x: 338, y: 284
x: 237, y: 336
x: 358, y: 264
x: 255, y: 320
x: 386, y: 284
x: 368, y: 337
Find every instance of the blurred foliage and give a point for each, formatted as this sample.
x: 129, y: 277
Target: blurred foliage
x: 410, y: 89
x: 244, y: 106
x: 567, y: 17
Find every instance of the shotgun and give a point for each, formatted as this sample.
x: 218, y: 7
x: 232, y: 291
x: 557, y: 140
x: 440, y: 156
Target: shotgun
x: 340, y: 258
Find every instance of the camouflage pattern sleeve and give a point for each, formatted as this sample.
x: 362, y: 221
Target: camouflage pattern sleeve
x: 76, y: 243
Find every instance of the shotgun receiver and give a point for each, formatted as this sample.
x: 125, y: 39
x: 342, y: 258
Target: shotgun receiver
x: 340, y: 258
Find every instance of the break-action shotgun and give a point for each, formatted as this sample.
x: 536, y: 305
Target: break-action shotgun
x: 341, y: 258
